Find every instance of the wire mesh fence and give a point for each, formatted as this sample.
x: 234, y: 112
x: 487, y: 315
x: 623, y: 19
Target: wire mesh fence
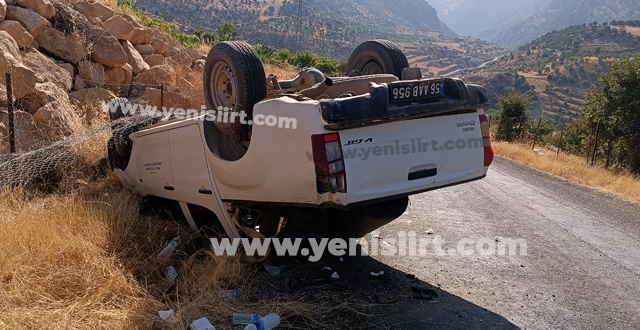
x: 49, y: 158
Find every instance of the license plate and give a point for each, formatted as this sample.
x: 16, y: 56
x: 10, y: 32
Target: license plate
x: 407, y: 92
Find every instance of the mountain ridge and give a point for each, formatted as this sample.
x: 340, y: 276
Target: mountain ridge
x: 334, y: 26
x: 471, y: 17
x: 535, y: 18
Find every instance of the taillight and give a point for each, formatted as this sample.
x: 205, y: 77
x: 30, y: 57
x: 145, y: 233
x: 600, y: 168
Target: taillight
x: 485, y: 127
x: 329, y: 161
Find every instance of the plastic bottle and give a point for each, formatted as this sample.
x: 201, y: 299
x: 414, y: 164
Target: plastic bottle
x: 171, y: 274
x: 245, y: 318
x: 168, y: 251
x: 266, y: 323
x: 271, y: 269
x: 231, y: 294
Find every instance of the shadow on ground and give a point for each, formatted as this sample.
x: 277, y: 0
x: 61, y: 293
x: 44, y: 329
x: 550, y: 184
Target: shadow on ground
x: 359, y: 300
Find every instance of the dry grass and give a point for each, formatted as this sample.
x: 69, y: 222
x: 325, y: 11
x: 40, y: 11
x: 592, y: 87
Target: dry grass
x: 82, y: 258
x: 282, y: 72
x: 574, y: 169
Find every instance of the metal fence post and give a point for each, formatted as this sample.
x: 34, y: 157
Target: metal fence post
x: 161, y: 96
x: 535, y: 139
x: 595, y: 144
x: 561, y: 135
x: 12, y: 133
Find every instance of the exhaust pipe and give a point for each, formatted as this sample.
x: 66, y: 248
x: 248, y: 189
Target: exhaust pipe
x: 318, y: 89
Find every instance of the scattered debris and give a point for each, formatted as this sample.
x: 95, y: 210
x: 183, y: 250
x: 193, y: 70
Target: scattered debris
x: 498, y: 239
x: 245, y: 318
x: 429, y: 231
x: 265, y: 323
x: 168, y: 316
x: 202, y: 324
x: 341, y: 259
x: 231, y: 294
x: 377, y: 274
x: 326, y: 268
x: 335, y: 276
x: 271, y: 269
x: 168, y: 251
x: 170, y: 274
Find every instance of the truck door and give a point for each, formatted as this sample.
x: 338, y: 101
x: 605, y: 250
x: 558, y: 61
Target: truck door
x: 191, y: 175
x: 154, y: 165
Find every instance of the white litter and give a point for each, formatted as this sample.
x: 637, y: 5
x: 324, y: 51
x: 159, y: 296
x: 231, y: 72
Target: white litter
x: 335, y: 276
x: 202, y: 324
x: 377, y: 274
x: 326, y: 268
x: 341, y: 259
x: 429, y: 231
x: 168, y: 316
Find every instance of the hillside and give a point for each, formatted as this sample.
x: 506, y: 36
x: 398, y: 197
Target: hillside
x: 329, y: 28
x: 445, y: 53
x: 470, y: 17
x: 536, y: 18
x: 559, y: 67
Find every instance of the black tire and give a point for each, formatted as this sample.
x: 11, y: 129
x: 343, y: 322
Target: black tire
x: 378, y: 57
x: 234, y: 77
x: 121, y: 130
x: 115, y: 160
x: 121, y: 144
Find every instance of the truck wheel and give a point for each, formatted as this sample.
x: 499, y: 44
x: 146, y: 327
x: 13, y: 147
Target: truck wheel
x: 121, y: 129
x: 234, y: 78
x: 120, y: 143
x: 378, y: 57
x: 115, y: 160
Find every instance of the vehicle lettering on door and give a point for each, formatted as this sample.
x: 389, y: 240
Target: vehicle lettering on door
x: 467, y: 123
x: 152, y: 168
x: 360, y: 141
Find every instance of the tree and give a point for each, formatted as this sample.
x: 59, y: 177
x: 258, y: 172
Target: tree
x: 227, y: 32
x: 303, y: 60
x: 616, y: 107
x: 512, y: 117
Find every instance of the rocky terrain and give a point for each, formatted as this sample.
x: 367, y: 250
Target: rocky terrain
x: 558, y: 68
x: 67, y: 57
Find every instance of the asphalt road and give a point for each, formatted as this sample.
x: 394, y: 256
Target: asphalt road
x: 581, y: 269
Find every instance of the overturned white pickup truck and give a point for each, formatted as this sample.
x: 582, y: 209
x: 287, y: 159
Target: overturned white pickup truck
x: 334, y: 157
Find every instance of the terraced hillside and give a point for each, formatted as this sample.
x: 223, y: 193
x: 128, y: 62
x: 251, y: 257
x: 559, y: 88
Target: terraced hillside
x: 445, y: 53
x: 559, y: 67
x: 328, y: 27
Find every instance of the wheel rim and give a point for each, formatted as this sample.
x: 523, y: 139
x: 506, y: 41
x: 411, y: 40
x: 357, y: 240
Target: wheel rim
x: 371, y: 66
x: 222, y: 86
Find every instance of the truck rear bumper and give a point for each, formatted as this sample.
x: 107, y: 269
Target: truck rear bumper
x: 349, y: 206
